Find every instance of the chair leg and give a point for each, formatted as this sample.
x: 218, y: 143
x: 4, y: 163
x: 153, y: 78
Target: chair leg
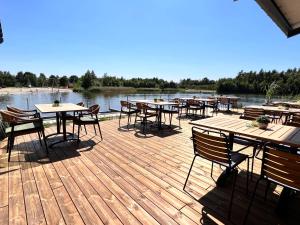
x: 40, y: 138
x: 78, y: 133
x: 128, y: 121
x: 120, y: 119
x: 232, y: 193
x: 189, y: 172
x: 73, y: 127
x: 247, y: 182
x: 212, y: 168
x: 100, y: 130
x: 170, y: 117
x: 251, y: 201
x: 8, y: 143
x: 267, y: 188
x: 45, y: 142
x: 95, y: 129
x: 85, y: 129
x: 252, y: 163
x: 11, y: 144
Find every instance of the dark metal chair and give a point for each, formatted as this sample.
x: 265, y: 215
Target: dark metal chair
x: 281, y: 166
x: 293, y: 120
x: 217, y: 149
x: 128, y: 109
x: 70, y: 117
x: 144, y: 112
x: 21, y: 124
x: 194, y: 106
x: 175, y: 109
x: 89, y: 117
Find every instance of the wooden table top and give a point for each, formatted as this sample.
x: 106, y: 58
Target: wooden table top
x: 63, y: 107
x: 274, y: 108
x: 277, y: 133
x: 200, y: 99
x: 152, y: 102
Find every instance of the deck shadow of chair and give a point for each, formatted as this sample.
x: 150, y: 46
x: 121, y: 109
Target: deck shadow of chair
x: 22, y: 124
x: 280, y: 166
x: 214, y: 203
x: 89, y: 117
x: 215, y: 147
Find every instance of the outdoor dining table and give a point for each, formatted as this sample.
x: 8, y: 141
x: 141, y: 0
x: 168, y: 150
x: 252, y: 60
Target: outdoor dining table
x: 287, y: 112
x: 160, y: 105
x: 61, y: 112
x: 275, y: 108
x: 276, y: 133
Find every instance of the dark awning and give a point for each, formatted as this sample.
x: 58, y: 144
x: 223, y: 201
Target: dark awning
x: 1, y: 34
x: 285, y: 13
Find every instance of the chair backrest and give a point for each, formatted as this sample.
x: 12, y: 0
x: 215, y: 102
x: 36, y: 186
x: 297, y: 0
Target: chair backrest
x: 13, y: 109
x: 252, y: 113
x: 281, y: 166
x: 94, y: 109
x: 193, y: 102
x: 212, y: 147
x: 80, y: 104
x: 223, y: 101
x: 294, y: 120
x: 142, y: 107
x: 126, y: 104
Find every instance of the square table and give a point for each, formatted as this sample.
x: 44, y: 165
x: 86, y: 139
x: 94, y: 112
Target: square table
x: 60, y: 111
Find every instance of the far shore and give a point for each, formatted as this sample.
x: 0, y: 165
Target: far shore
x: 25, y: 90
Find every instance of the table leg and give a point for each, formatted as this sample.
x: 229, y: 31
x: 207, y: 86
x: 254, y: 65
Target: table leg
x: 63, y: 115
x: 57, y: 123
x: 159, y: 118
x: 228, y: 105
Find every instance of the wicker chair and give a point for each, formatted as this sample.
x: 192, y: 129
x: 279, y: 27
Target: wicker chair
x: 128, y: 109
x: 32, y: 112
x: 21, y: 124
x: 280, y: 165
x: 217, y: 149
x: 89, y: 117
x: 252, y: 113
x: 143, y: 113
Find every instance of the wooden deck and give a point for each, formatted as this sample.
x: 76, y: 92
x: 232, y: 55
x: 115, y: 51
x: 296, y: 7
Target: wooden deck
x: 127, y: 178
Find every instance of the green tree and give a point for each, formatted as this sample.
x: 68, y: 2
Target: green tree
x: 42, y: 80
x: 88, y: 79
x: 63, y: 81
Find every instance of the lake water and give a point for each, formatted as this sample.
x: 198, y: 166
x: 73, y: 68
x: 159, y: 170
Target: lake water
x: 106, y: 100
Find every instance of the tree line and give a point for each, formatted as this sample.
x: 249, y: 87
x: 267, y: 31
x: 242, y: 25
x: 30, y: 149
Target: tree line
x: 90, y: 79
x: 288, y: 82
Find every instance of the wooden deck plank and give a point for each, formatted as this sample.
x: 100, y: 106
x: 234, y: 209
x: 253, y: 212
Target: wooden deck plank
x: 34, y: 210
x: 127, y: 178
x: 51, y: 209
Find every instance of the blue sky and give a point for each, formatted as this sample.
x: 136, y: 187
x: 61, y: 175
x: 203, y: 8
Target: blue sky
x: 170, y: 39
